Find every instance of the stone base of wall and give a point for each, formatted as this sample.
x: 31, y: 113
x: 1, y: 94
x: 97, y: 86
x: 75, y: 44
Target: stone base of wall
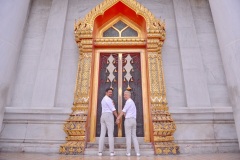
x: 199, y: 130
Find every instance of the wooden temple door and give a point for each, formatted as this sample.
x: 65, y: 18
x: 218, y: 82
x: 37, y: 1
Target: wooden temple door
x: 120, y: 71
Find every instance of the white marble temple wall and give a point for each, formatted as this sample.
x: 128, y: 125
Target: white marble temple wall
x: 170, y: 52
x: 205, y: 130
x: 28, y: 62
x: 195, y: 83
x: 48, y: 69
x: 227, y: 26
x: 69, y: 61
x: 30, y: 53
x: 199, y: 130
x: 33, y: 130
x: 210, y: 53
x: 41, y: 130
x: 13, y: 15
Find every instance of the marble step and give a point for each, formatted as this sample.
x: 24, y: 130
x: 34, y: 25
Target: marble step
x: 120, y: 145
x: 122, y: 140
x: 146, y: 148
x: 118, y: 152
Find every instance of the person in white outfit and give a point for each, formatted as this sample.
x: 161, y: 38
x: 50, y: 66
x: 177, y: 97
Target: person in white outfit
x: 130, y: 123
x: 107, y: 122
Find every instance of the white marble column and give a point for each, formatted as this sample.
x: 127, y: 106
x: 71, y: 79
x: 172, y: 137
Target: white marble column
x: 197, y: 94
x: 47, y: 77
x: 226, y: 17
x: 13, y: 16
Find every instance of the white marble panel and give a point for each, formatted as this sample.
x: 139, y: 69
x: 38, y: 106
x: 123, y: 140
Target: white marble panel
x: 32, y: 46
x: 215, y: 74
x: 44, y: 91
x: 80, y: 8
x: 22, y: 95
x: 187, y: 37
x: 191, y: 117
x: 219, y: 95
x: 211, y: 57
x: 40, y: 6
x: 171, y: 56
x: 194, y: 132
x: 30, y: 51
x: 162, y: 8
x: 204, y: 26
x: 196, y: 89
x: 176, y: 95
x: 207, y: 40
x: 210, y: 52
x: 194, y: 78
x: 170, y: 26
x: 203, y: 13
x: 181, y: 4
x: 171, y: 41
x: 184, y: 16
x: 225, y: 131
x: 70, y: 58
x: 224, y: 115
x: 38, y: 22
x: 172, y: 74
x: 47, y: 76
x: 33, y: 115
x: 193, y: 70
x: 25, y: 81
x: 69, y: 39
x: 13, y: 131
x: 67, y: 80
x: 65, y: 95
x: 199, y: 3
x: 13, y: 15
x: 45, y: 132
x: 67, y: 77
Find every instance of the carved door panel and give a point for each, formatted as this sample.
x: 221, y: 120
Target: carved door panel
x: 121, y: 71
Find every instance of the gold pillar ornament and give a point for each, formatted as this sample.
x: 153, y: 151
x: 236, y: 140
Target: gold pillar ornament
x: 151, y: 37
x: 76, y: 126
x: 163, y: 125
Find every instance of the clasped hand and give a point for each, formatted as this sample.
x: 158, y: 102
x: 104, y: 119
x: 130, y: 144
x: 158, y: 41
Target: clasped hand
x: 117, y: 121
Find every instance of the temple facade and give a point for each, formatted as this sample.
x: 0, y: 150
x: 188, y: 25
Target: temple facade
x: 179, y: 58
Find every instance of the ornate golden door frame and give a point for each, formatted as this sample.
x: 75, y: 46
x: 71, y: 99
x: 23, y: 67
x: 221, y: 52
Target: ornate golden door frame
x: 145, y: 92
x: 86, y: 30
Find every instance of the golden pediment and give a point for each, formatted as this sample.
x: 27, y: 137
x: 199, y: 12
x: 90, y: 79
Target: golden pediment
x: 154, y: 27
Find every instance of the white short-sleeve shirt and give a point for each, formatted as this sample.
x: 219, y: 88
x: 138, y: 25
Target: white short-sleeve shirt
x: 107, y: 105
x: 130, y: 109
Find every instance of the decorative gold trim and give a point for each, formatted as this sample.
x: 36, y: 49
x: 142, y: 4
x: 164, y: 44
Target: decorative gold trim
x: 144, y: 90
x: 75, y: 126
x: 161, y: 123
x: 114, y: 20
x: 155, y: 28
x: 120, y: 98
x: 120, y: 42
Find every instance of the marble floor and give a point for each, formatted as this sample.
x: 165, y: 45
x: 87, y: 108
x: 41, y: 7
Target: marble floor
x: 33, y: 156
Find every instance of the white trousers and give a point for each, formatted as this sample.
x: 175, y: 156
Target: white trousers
x: 130, y: 132
x: 107, y: 123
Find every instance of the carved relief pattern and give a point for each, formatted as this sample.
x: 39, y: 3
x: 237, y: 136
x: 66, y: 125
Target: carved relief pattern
x: 84, y: 27
x: 128, y: 68
x: 111, y: 68
x: 120, y: 42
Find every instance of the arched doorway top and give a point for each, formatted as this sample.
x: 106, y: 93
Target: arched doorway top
x: 84, y: 28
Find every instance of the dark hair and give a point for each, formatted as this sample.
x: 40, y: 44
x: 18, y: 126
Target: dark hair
x: 108, y: 89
